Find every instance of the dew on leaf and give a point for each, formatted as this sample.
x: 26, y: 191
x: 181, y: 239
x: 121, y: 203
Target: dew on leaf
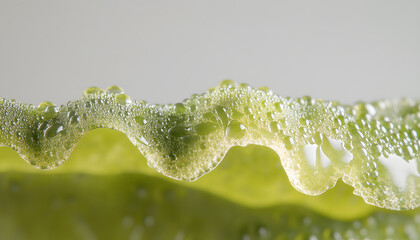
x: 53, y: 129
x: 123, y: 99
x: 179, y: 108
x: 114, y: 89
x: 91, y: 91
x: 205, y: 128
x: 235, y: 129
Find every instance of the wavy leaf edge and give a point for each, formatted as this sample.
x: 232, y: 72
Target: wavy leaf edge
x: 374, y: 147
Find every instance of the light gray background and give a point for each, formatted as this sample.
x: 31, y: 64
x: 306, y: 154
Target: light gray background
x: 164, y: 51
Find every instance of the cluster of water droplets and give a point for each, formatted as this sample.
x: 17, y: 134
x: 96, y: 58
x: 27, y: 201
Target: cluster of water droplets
x: 372, y: 146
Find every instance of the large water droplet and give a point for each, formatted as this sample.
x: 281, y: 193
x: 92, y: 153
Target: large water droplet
x: 91, y: 91
x: 278, y: 106
x: 53, y: 129
x: 47, y: 110
x: 236, y: 114
x: 74, y: 119
x: 210, y: 116
x: 274, y: 127
x: 140, y: 120
x: 235, y: 129
x: 123, y: 99
x: 179, y: 131
x: 304, y: 121
x: 114, y: 89
x: 222, y: 114
x: 172, y: 156
x: 205, y: 128
x: 179, y: 108
x: 265, y: 89
x: 143, y: 140
x: 227, y: 83
x: 288, y: 142
x: 50, y: 112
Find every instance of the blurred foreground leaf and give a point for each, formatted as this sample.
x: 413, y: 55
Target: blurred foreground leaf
x: 106, y: 191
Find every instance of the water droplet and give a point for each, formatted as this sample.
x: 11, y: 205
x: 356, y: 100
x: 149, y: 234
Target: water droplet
x: 278, y: 106
x: 123, y: 99
x: 205, y: 128
x: 209, y: 116
x: 91, y: 91
x: 236, y: 114
x: 356, y: 134
x: 143, y: 140
x: 274, y: 127
x: 114, y: 89
x: 264, y: 89
x: 74, y: 119
x: 193, y: 107
x: 179, y: 108
x: 288, y: 142
x: 52, y: 130
x: 283, y: 123
x: 371, y: 109
x: 71, y: 114
x: 222, y: 114
x: 304, y: 121
x: 179, y: 131
x: 190, y: 139
x: 67, y: 145
x: 227, y: 83
x: 318, y: 138
x: 47, y: 110
x: 42, y: 106
x: 235, y: 129
x: 172, y: 156
x: 140, y: 120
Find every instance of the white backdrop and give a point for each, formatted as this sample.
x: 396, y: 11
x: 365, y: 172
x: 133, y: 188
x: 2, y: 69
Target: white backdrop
x: 164, y: 51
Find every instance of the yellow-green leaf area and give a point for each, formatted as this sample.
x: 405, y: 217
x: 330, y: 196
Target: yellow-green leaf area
x: 106, y: 191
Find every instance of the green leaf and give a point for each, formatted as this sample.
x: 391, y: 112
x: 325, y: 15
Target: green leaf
x: 106, y: 191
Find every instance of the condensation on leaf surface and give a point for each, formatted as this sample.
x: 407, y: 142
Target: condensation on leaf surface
x: 373, y: 147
